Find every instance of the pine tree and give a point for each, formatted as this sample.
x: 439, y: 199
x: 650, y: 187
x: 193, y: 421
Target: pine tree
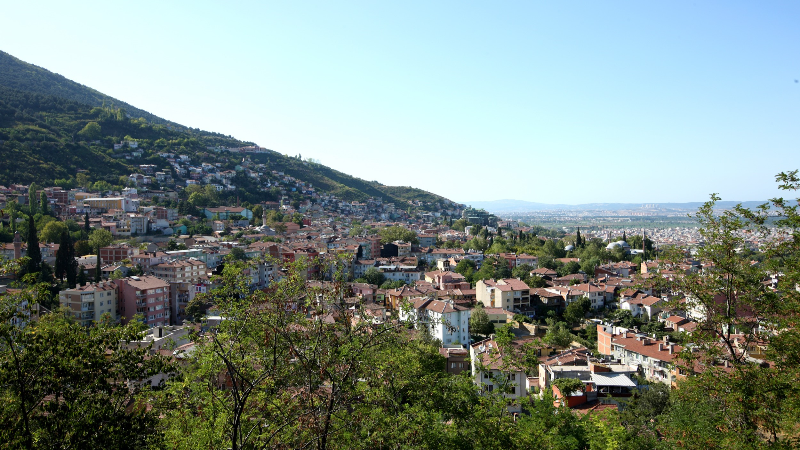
x: 35, y: 255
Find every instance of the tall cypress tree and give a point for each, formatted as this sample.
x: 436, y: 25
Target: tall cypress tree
x: 86, y: 224
x: 81, y: 276
x: 32, y: 200
x: 98, y: 273
x: 34, y: 253
x: 624, y: 239
x: 578, y: 242
x: 44, y: 204
x: 65, y: 260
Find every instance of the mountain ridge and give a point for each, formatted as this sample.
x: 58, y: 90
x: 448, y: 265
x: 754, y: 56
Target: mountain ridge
x: 43, y: 116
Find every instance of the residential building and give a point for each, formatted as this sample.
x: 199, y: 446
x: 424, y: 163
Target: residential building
x: 456, y: 359
x: 117, y: 253
x: 655, y: 358
x: 510, y: 294
x: 444, y: 320
x: 89, y: 303
x: 145, y: 295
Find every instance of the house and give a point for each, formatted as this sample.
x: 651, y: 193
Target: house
x: 601, y: 379
x: 655, y: 358
x: 510, y: 294
x: 443, y: 320
x: 456, y: 359
x: 494, y: 368
x: 226, y: 212
x: 641, y: 305
x: 593, y: 292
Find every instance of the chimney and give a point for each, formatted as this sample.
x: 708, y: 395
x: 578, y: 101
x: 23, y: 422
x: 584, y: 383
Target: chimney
x: 666, y: 339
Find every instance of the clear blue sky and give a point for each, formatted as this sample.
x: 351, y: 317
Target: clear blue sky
x: 555, y: 102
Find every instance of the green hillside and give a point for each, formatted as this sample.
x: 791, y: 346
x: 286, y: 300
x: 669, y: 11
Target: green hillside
x: 48, y: 134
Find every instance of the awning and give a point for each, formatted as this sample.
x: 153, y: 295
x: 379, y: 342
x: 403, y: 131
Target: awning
x: 612, y: 379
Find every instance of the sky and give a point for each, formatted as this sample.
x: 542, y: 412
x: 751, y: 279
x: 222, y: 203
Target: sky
x: 553, y: 102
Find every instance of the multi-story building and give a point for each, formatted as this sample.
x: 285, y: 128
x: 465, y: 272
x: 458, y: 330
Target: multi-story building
x: 145, y: 295
x: 186, y: 270
x: 655, y: 358
x: 116, y: 253
x: 182, y: 276
x: 89, y: 303
x: 492, y: 369
x: 443, y: 320
x: 103, y: 204
x: 509, y: 293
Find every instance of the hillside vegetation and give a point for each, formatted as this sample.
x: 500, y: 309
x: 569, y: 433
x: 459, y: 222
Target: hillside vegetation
x: 48, y: 134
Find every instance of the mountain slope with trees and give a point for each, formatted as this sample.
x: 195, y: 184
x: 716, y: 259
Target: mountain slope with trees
x: 53, y: 128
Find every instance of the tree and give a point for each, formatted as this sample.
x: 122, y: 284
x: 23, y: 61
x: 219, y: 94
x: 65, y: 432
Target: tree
x: 92, y: 131
x: 336, y: 388
x: 86, y: 228
x: 237, y: 254
x: 98, y: 269
x: 397, y: 233
x: 467, y: 268
x: 63, y: 382
x: 66, y: 265
x: 279, y: 228
x: 737, y: 311
x: 374, y: 276
x: 52, y: 231
x: 44, y: 204
x: 569, y: 268
x: 81, y: 280
x: 100, y: 238
x: 558, y: 335
x: 479, y: 321
x: 82, y: 248
x: 568, y: 386
x: 578, y: 242
x: 576, y: 311
x: 34, y: 253
x: 82, y: 180
x: 33, y: 200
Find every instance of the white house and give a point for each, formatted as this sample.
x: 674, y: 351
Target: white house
x: 444, y: 320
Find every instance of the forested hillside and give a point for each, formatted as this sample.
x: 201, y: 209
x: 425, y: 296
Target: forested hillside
x: 52, y: 128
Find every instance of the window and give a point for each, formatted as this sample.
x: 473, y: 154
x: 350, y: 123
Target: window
x: 513, y: 377
x: 452, y: 365
x: 491, y: 388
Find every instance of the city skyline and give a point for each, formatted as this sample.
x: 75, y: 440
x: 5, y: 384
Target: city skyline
x: 631, y: 104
